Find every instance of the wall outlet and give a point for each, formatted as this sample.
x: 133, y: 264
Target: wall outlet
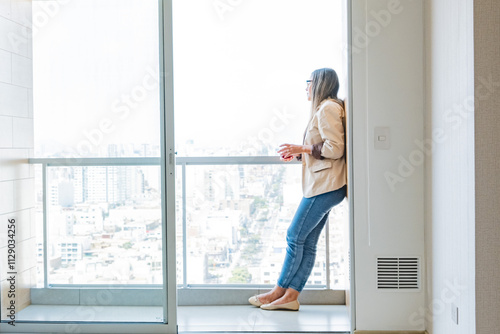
x: 454, y: 313
x: 382, y: 140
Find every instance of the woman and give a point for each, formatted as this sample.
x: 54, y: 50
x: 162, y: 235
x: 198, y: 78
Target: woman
x: 323, y: 186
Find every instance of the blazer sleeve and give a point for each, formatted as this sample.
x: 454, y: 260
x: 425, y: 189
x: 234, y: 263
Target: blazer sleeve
x: 331, y: 129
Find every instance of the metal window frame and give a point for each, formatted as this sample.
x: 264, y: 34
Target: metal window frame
x: 350, y: 168
x: 167, y: 165
x: 167, y: 162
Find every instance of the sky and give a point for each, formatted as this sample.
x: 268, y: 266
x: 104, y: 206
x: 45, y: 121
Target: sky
x: 240, y: 71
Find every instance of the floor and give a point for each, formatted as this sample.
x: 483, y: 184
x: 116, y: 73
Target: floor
x: 234, y: 318
x: 310, y: 318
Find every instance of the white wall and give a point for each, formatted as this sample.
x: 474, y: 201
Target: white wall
x: 388, y: 81
x: 16, y: 146
x: 449, y: 169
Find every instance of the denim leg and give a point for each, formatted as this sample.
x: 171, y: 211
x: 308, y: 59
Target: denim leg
x: 308, y: 256
x: 311, y: 215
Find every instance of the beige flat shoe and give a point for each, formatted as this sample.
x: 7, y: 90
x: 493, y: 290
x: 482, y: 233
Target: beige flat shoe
x: 255, y: 301
x: 291, y: 306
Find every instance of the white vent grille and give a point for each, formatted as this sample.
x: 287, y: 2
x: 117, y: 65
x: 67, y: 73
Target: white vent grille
x: 398, y: 273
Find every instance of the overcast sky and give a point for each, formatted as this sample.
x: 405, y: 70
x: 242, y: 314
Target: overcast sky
x: 236, y: 68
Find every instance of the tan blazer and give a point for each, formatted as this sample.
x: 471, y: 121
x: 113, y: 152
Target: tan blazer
x: 325, y: 169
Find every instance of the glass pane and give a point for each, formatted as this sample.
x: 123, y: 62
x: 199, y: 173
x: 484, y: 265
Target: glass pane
x: 96, y: 79
x: 241, y: 69
x: 179, y: 195
x: 240, y: 90
x: 104, y: 225
x: 339, y: 246
x: 236, y: 222
x: 97, y: 95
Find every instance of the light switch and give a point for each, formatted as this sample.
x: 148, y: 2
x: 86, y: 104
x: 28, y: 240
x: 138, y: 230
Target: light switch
x: 382, y: 138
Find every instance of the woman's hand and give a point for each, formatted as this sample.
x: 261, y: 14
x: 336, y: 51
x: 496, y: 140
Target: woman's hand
x: 289, y: 151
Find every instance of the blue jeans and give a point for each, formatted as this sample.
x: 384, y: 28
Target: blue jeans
x: 302, y: 237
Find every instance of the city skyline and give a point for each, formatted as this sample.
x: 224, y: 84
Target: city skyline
x: 230, y: 197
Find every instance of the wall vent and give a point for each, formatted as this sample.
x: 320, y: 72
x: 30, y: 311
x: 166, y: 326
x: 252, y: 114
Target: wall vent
x: 398, y: 273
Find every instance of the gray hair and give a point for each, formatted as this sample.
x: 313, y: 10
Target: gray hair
x: 325, y: 84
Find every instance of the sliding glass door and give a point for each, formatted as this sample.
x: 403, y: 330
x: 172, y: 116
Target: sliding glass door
x: 103, y: 221
x: 240, y: 91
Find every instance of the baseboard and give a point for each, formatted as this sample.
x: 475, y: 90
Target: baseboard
x: 389, y: 332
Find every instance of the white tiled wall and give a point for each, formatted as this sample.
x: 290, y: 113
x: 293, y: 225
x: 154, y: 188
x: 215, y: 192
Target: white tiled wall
x: 16, y: 144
